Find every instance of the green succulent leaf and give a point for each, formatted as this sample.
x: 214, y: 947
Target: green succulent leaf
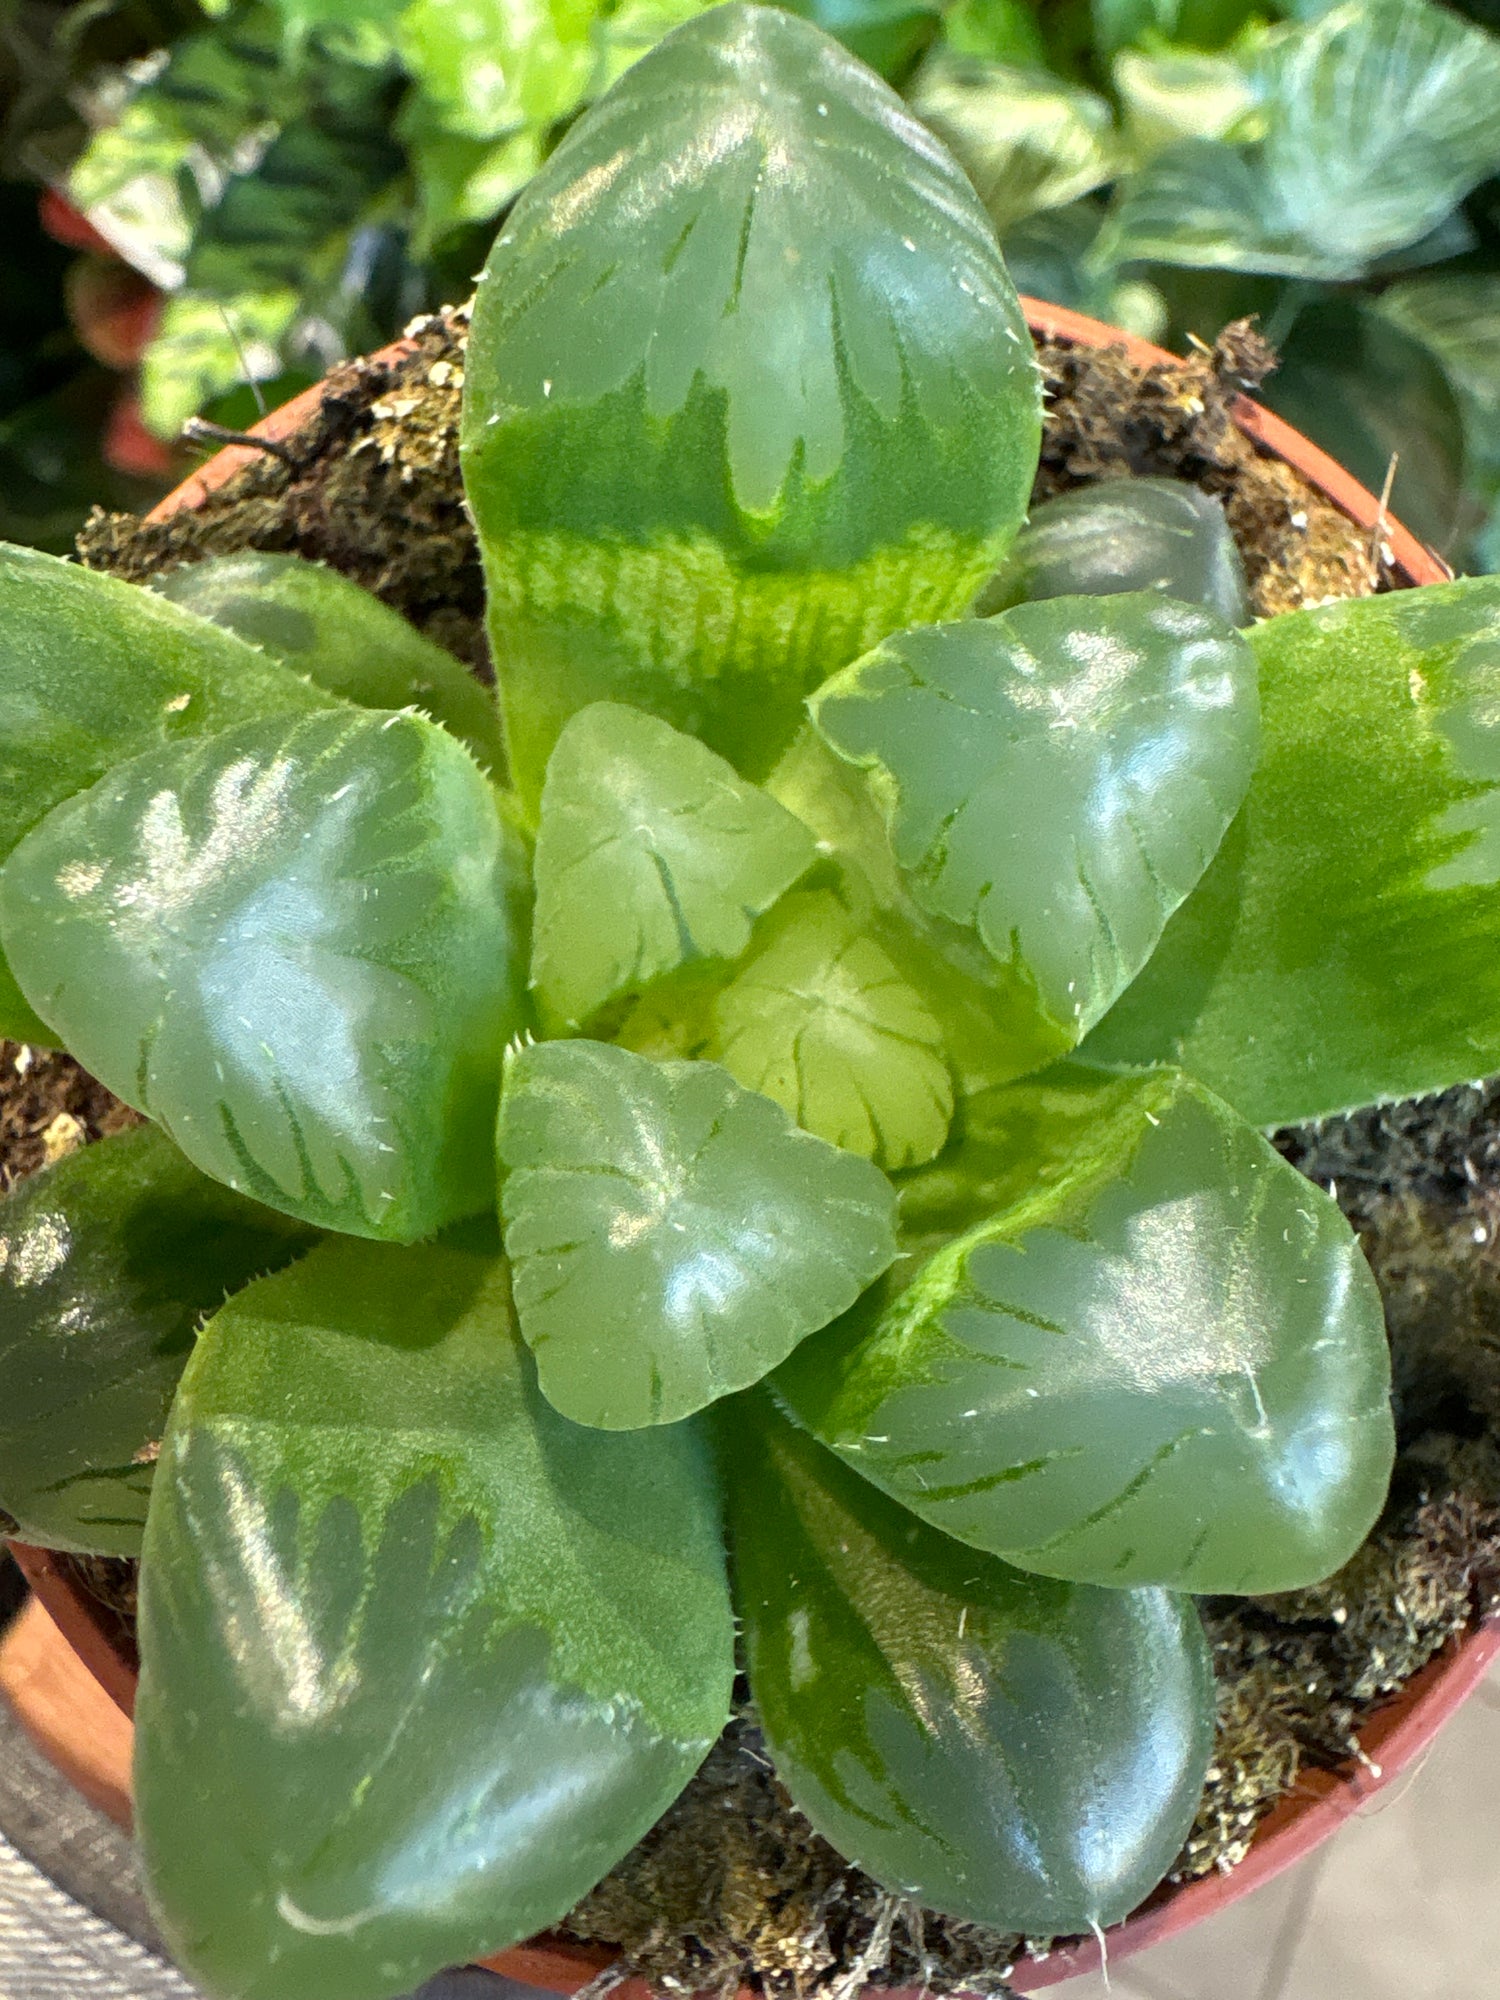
x: 1165, y: 1364
x: 320, y: 624
x: 1057, y: 778
x: 93, y: 671
x: 673, y: 1236
x: 420, y: 1660
x: 820, y: 1020
x: 1126, y: 535
x: 1027, y: 139
x: 108, y: 1261
x: 1005, y: 1748
x: 1345, y: 944
x: 650, y: 853
x: 294, y: 946
x: 747, y: 387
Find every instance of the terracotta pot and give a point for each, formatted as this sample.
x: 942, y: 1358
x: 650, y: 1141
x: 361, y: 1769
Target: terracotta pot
x: 1394, y: 1735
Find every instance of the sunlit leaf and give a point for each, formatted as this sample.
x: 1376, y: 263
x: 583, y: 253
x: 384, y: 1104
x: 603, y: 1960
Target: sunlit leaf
x: 820, y: 1019
x: 293, y: 945
x: 650, y: 853
x: 488, y: 66
x: 1123, y: 535
x: 1056, y: 777
x: 747, y: 388
x: 204, y: 346
x: 93, y: 671
x: 322, y: 625
x: 1167, y: 1364
x: 1026, y: 139
x: 108, y: 1262
x: 1170, y: 94
x: 673, y: 1235
x: 1345, y: 944
x: 1001, y: 1747
x: 420, y: 1660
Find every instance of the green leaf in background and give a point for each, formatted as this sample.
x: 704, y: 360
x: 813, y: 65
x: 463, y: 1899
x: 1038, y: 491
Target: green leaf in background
x: 886, y: 34
x: 1345, y: 944
x: 1004, y: 1748
x: 320, y: 624
x: 796, y: 410
x: 420, y: 1660
x: 1456, y: 316
x: 1166, y: 1364
x: 1005, y: 31
x: 1368, y: 392
x: 1170, y: 94
x: 488, y: 66
x: 204, y: 346
x: 1056, y: 777
x: 1026, y: 139
x: 292, y: 945
x: 650, y: 853
x: 673, y: 1236
x: 1125, y: 535
x: 1193, y: 24
x: 820, y: 1020
x: 1207, y: 205
x: 108, y: 1262
x: 1382, y: 118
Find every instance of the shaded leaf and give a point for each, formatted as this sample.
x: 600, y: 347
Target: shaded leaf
x: 820, y: 1020
x: 108, y: 1261
x: 1123, y: 535
x: 678, y: 511
x: 1456, y: 316
x: 1367, y: 392
x: 292, y: 945
x: 650, y: 853
x: 1057, y: 778
x: 1026, y: 139
x: 1345, y: 944
x: 1167, y: 1364
x: 324, y: 626
x: 420, y: 1660
x: 673, y: 1236
x: 1002, y: 1747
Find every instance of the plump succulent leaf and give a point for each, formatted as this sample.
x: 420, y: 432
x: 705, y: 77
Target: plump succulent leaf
x: 747, y: 387
x: 420, y: 1660
x: 1345, y: 944
x: 1057, y: 778
x: 673, y: 1236
x: 651, y: 852
x: 820, y: 1019
x: 324, y: 626
x: 1127, y: 535
x: 293, y: 945
x: 1006, y: 1748
x: 108, y: 1262
x: 1166, y: 1365
x: 92, y: 671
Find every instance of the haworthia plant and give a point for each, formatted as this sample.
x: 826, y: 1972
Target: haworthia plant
x: 1006, y: 1350
x: 800, y: 412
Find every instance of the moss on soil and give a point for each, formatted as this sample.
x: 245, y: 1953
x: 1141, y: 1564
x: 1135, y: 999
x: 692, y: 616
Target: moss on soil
x: 733, y: 1884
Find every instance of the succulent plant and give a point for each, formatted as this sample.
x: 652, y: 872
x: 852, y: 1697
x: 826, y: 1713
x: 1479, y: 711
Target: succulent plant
x: 784, y: 1148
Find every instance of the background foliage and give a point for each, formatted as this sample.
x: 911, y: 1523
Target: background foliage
x: 299, y: 177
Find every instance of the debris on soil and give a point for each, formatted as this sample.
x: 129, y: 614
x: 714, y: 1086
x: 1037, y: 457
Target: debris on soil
x: 733, y: 1886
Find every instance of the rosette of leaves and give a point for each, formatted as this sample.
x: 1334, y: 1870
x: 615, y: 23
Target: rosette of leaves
x: 812, y: 1184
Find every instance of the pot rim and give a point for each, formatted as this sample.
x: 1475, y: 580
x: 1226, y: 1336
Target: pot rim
x: 1395, y: 1734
